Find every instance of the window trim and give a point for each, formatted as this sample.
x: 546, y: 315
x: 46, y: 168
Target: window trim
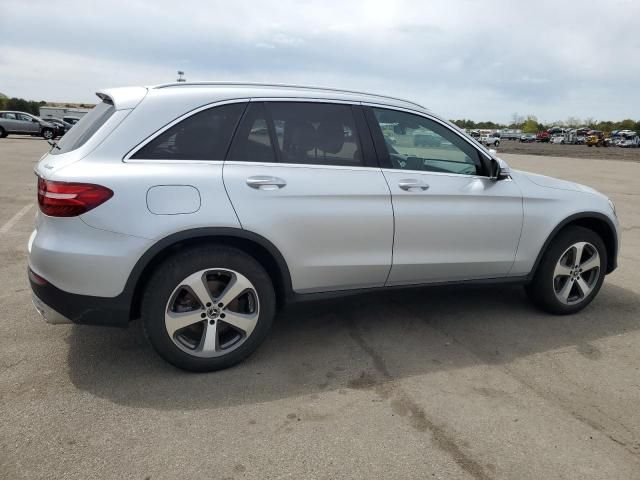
x: 127, y: 156
x: 384, y: 158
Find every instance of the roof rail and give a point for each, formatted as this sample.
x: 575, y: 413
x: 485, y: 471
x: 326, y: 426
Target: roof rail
x: 282, y: 85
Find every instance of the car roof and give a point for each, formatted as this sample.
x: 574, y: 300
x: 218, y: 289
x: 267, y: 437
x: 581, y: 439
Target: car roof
x: 129, y: 97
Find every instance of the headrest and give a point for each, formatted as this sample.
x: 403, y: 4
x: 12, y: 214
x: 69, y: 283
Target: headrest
x: 303, y: 137
x: 330, y: 136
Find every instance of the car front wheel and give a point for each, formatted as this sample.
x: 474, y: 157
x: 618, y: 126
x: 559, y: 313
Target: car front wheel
x: 208, y: 308
x: 47, y: 134
x: 570, y: 273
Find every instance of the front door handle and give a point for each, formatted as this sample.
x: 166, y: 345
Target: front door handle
x: 265, y: 182
x: 413, y: 185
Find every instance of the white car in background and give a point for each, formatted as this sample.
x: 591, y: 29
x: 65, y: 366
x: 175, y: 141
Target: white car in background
x: 490, y: 140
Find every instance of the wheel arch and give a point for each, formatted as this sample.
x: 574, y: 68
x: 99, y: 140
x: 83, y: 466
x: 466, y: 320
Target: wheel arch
x: 595, y: 221
x: 251, y: 243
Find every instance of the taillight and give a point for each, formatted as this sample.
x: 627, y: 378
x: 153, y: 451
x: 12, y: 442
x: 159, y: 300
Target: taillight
x: 63, y: 199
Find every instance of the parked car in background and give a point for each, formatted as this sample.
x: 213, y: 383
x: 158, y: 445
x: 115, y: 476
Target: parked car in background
x: 596, y: 138
x: 71, y: 120
x: 528, y: 138
x: 490, y: 140
x: 174, y: 205
x: 558, y: 139
x: 543, y: 137
x: 22, y: 123
x: 629, y: 139
x: 62, y: 127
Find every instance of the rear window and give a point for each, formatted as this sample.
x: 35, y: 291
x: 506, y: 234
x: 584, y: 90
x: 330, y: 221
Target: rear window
x: 85, y: 128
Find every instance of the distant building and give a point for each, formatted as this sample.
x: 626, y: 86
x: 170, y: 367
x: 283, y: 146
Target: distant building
x: 61, y: 112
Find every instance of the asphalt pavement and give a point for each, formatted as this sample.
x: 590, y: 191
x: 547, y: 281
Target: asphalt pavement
x: 442, y: 383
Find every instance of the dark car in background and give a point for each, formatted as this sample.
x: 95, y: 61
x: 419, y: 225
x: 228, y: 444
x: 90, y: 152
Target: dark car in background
x: 71, y: 120
x: 62, y: 127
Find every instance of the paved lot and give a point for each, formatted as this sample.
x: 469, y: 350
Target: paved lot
x: 574, y: 151
x: 444, y: 383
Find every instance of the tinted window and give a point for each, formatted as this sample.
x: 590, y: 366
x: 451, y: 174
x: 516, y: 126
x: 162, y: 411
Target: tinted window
x: 315, y: 133
x: 417, y: 143
x: 85, y: 128
x: 252, y: 142
x: 202, y: 136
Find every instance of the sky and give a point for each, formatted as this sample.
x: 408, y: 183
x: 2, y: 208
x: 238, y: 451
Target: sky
x: 483, y: 60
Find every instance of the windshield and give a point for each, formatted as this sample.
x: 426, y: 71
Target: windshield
x: 84, y: 129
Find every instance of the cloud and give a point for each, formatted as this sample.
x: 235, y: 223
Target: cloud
x: 481, y: 60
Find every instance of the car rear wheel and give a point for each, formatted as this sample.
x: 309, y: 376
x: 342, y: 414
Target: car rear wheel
x: 208, y: 308
x: 3, y: 133
x: 570, y: 273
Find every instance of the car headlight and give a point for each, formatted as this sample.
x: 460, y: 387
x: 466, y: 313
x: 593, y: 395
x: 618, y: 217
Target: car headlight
x: 613, y: 207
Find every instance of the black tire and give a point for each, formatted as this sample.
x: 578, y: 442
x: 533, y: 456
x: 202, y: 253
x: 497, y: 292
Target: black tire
x: 178, y: 267
x: 3, y: 133
x: 541, y: 289
x: 48, y: 134
x: 497, y: 144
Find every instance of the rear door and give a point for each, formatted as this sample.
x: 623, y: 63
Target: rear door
x: 304, y: 175
x: 452, y: 222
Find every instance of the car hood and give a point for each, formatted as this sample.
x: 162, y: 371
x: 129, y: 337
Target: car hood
x: 550, y: 182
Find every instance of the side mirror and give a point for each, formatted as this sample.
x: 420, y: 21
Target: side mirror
x: 499, y: 169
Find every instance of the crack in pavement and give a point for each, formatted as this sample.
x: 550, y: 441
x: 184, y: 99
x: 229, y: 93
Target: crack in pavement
x: 630, y: 445
x: 403, y: 405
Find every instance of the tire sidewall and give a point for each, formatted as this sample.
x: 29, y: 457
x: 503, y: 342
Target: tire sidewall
x: 177, y: 268
x: 44, y: 134
x: 541, y: 289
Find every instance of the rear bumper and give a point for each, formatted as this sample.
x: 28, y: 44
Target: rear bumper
x: 59, y: 307
x: 48, y: 314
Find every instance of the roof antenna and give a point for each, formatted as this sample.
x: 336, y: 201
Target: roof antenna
x: 181, y: 77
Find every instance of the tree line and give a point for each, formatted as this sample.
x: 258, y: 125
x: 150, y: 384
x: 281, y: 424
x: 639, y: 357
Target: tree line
x: 530, y: 124
x: 20, y: 104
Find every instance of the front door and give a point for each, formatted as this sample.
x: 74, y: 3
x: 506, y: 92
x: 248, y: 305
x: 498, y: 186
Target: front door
x: 452, y: 222
x: 303, y: 175
x: 28, y: 124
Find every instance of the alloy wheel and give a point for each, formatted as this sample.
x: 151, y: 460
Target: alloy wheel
x: 576, y: 273
x: 212, y: 312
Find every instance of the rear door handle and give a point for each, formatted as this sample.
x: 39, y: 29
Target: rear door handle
x: 265, y: 182
x: 413, y: 185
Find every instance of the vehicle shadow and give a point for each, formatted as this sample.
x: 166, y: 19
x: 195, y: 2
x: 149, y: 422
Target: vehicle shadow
x: 347, y: 343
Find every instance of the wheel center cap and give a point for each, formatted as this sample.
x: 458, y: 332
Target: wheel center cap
x: 213, y: 313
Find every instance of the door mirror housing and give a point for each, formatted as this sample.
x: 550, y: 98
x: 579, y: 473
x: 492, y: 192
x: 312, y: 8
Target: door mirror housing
x: 499, y: 169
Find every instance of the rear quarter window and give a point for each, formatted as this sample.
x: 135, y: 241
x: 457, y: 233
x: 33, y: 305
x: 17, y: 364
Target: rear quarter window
x: 202, y: 136
x: 86, y: 127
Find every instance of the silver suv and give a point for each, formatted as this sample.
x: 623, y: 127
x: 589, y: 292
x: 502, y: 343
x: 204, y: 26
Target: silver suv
x: 202, y: 208
x: 22, y: 123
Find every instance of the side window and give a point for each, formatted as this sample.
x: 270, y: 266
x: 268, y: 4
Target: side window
x: 9, y: 116
x: 417, y: 143
x: 315, y: 133
x: 202, y: 136
x: 252, y: 141
x: 24, y: 118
